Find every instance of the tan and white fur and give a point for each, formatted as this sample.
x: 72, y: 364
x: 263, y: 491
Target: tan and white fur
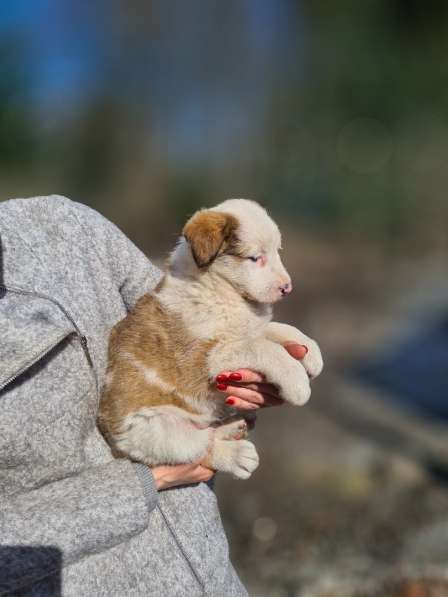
x: 210, y: 313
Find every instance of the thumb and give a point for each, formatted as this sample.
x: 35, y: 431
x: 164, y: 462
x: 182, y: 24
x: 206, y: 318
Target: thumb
x: 297, y: 351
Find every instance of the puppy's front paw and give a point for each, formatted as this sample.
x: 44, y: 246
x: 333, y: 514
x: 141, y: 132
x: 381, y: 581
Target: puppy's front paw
x: 283, y: 333
x: 294, y: 385
x: 312, y: 361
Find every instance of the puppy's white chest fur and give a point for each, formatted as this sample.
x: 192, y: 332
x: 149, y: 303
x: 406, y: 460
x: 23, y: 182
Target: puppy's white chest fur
x: 212, y: 310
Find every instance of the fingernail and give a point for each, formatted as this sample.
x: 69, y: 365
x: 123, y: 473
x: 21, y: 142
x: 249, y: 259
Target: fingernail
x: 221, y: 386
x: 221, y: 377
x: 235, y: 376
x: 230, y: 401
x: 306, y: 348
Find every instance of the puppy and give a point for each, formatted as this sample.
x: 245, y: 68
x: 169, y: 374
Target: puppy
x: 211, y: 312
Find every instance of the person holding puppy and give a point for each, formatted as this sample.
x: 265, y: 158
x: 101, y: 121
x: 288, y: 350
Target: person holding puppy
x: 74, y: 520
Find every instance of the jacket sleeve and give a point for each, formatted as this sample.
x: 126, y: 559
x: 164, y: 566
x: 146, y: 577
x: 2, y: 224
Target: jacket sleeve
x: 134, y: 275
x: 64, y: 521
x: 132, y: 271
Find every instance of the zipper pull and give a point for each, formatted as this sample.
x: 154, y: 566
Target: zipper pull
x: 85, y: 348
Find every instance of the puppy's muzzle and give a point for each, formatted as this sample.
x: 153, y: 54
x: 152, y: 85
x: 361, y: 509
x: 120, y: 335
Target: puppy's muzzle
x: 286, y: 288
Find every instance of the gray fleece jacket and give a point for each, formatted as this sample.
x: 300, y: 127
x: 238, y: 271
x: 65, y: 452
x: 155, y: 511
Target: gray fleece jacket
x: 73, y: 520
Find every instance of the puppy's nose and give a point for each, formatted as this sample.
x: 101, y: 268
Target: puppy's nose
x: 286, y: 288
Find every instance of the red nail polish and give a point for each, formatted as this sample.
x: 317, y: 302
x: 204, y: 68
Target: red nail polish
x: 230, y: 401
x: 221, y: 377
x: 235, y: 376
x: 221, y: 386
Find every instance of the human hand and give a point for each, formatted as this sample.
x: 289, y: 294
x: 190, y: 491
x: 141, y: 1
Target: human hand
x: 248, y: 390
x: 180, y: 474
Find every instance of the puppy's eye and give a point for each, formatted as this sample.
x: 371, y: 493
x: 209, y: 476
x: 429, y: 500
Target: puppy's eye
x: 255, y: 258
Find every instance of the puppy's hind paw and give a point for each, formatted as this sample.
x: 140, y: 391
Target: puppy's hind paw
x: 234, y: 430
x: 246, y: 460
x: 239, y: 458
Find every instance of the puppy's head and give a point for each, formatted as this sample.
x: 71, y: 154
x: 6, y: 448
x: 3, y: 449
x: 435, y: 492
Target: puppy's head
x: 238, y: 241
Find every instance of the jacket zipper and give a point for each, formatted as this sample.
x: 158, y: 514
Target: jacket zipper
x: 36, y: 359
x: 78, y: 333
x: 181, y: 548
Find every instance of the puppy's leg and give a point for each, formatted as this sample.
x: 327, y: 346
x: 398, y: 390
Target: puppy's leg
x: 154, y: 436
x: 160, y: 435
x: 268, y: 358
x: 281, y: 333
x: 236, y: 429
x: 239, y: 457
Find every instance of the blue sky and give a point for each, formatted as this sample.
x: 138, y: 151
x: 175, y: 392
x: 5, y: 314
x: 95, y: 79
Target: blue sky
x: 65, y: 48
x: 59, y: 57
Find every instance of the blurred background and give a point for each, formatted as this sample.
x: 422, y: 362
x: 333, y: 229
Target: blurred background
x: 334, y: 115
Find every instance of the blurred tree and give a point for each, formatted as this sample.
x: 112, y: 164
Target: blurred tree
x: 334, y: 113
x: 361, y: 123
x: 17, y: 131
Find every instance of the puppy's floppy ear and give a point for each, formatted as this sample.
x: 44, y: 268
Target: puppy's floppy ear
x: 208, y: 233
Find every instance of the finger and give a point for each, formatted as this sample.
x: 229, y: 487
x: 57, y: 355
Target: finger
x: 261, y: 388
x: 240, y: 375
x: 203, y: 469
x: 245, y: 394
x: 245, y: 405
x: 186, y: 468
x: 248, y: 394
x: 206, y: 477
x: 298, y: 351
x: 241, y: 404
x: 204, y: 473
